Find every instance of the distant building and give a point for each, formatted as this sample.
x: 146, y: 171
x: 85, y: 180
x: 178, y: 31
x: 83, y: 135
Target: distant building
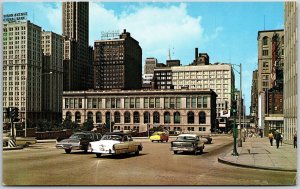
x: 171, y: 63
x: 52, y: 86
x: 150, y: 65
x: 176, y: 110
x: 78, y: 69
x: 163, y: 78
x: 270, y: 72
x: 270, y: 59
x: 290, y: 69
x: 254, y: 93
x: 118, y: 63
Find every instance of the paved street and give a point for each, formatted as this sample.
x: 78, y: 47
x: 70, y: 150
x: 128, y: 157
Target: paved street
x: 42, y: 164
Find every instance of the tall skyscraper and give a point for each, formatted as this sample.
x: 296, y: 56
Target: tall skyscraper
x: 77, y: 66
x: 290, y: 69
x: 22, y: 68
x: 118, y: 63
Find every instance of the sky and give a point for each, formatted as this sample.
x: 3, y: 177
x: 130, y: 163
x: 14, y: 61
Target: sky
x: 226, y: 31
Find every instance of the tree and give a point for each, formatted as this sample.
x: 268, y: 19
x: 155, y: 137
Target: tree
x: 68, y: 124
x: 88, y: 125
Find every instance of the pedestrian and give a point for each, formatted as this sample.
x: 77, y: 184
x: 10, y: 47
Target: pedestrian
x: 281, y: 139
x: 277, y: 138
x: 271, y: 138
x: 295, y: 140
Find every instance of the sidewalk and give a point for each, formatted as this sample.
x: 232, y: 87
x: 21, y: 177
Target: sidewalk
x: 258, y: 153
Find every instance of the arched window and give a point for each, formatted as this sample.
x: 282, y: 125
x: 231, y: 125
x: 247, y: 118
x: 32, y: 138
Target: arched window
x: 136, y: 117
x: 146, y: 117
x: 127, y: 117
x: 107, y: 117
x: 90, y: 116
x: 156, y: 117
x: 202, y: 118
x: 68, y: 116
x: 191, y: 118
x: 265, y: 40
x: 77, y: 117
x: 98, y: 117
x: 176, y: 117
x: 167, y: 117
x: 117, y: 117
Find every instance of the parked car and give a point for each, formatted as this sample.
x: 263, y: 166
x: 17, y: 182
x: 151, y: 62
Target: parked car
x: 78, y: 141
x: 206, y: 139
x: 115, y: 143
x: 187, y: 142
x: 159, y: 137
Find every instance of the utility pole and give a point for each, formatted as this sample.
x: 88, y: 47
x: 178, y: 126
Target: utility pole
x: 240, y: 107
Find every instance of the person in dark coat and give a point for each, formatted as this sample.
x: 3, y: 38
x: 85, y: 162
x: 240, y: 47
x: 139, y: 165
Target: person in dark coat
x: 277, y: 138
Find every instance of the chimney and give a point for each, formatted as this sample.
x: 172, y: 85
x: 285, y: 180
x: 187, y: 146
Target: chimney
x: 196, y: 54
x: 124, y: 31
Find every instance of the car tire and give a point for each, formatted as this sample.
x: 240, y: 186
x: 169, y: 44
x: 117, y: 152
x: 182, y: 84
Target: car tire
x: 151, y: 140
x: 68, y: 151
x: 201, y: 150
x: 166, y: 140
x: 175, y: 152
x: 98, y: 155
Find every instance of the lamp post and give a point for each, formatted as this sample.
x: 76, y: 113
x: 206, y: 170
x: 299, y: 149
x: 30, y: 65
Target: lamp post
x: 26, y: 100
x: 148, y: 125
x: 240, y: 104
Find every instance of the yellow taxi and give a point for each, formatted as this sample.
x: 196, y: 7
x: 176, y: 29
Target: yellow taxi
x: 159, y: 136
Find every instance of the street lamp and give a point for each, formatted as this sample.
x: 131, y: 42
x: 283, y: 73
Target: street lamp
x: 240, y: 104
x: 26, y: 99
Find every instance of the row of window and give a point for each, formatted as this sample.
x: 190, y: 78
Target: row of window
x: 136, y: 117
x: 135, y: 102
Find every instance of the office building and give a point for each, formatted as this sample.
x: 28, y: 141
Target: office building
x: 22, y: 68
x: 190, y: 110
x: 118, y: 63
x: 52, y: 86
x: 290, y: 69
x: 78, y: 69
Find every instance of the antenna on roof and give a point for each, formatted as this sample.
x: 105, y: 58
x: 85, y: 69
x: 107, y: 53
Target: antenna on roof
x: 169, y: 55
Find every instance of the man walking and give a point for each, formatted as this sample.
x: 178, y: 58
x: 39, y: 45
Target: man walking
x: 277, y: 138
x: 271, y: 138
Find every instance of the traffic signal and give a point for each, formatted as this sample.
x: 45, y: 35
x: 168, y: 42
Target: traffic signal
x: 234, y: 106
x: 14, y: 114
x: 16, y: 118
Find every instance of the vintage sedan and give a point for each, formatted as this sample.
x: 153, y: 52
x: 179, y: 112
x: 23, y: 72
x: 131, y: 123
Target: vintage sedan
x: 78, y: 141
x: 187, y: 142
x: 115, y: 143
x: 159, y: 137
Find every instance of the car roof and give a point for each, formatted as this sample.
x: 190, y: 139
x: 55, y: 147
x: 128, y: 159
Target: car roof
x: 116, y: 133
x: 193, y: 135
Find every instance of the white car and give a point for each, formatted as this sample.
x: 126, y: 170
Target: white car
x: 115, y: 143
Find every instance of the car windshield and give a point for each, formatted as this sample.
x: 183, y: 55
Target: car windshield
x: 112, y: 137
x: 78, y: 136
x: 186, y: 138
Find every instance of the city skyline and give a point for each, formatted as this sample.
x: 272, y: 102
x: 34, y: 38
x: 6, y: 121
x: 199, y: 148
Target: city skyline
x: 231, y: 26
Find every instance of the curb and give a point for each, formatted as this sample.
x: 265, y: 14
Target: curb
x: 8, y: 148
x: 221, y: 160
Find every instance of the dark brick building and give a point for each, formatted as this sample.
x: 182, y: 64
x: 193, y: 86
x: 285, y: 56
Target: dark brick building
x: 118, y: 63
